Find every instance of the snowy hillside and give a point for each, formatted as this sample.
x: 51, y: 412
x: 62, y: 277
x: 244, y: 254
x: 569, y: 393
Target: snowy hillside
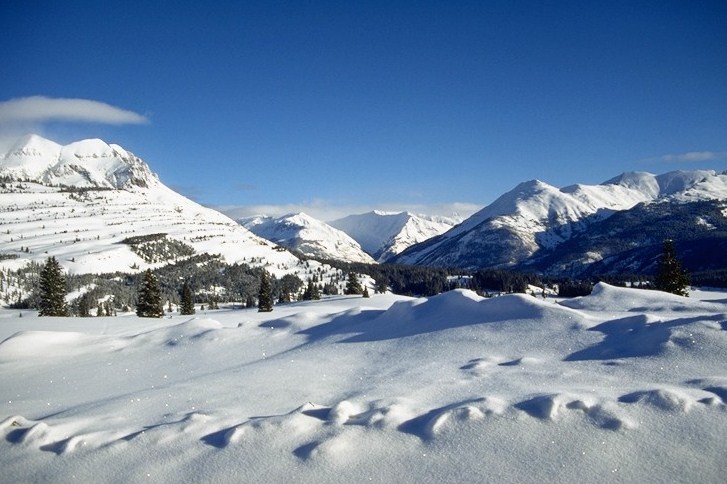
x: 385, y: 234
x: 536, y: 216
x: 623, y: 385
x: 307, y: 235
x: 98, y: 208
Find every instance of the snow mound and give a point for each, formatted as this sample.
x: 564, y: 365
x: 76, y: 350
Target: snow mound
x: 605, y: 297
x: 53, y: 344
x: 186, y: 333
x: 338, y: 391
x: 662, y: 399
x: 462, y: 307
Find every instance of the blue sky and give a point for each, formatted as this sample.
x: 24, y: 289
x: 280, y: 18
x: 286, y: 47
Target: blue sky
x: 341, y: 107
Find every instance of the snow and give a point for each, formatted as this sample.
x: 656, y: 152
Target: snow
x: 622, y: 385
x: 84, y: 230
x: 385, y: 234
x: 543, y: 216
x: 311, y: 237
x: 86, y: 163
x: 30, y: 157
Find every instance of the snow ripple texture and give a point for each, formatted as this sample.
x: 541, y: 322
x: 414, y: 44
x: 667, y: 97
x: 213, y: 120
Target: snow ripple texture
x: 623, y: 384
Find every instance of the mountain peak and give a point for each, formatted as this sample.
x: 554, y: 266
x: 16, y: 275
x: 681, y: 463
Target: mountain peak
x: 536, y: 217
x: 303, y: 233
x: 92, y: 148
x: 664, y: 185
x: 85, y: 163
x: 385, y: 234
x: 33, y: 144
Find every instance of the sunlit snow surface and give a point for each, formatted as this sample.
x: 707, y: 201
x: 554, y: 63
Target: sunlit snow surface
x: 620, y: 386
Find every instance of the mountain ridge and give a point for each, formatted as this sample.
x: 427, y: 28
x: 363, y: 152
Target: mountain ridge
x: 383, y: 234
x: 86, y: 163
x: 307, y: 235
x: 98, y: 209
x: 105, y: 194
x: 535, y: 217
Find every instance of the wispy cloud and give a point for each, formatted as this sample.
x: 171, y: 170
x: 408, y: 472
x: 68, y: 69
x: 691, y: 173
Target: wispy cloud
x: 690, y: 157
x: 327, y: 211
x: 40, y: 109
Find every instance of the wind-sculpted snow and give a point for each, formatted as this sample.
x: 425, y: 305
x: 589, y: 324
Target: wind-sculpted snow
x: 623, y: 385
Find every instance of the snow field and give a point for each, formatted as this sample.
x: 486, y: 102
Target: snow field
x: 623, y: 385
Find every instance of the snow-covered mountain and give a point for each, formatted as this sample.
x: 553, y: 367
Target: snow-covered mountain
x: 309, y: 236
x: 385, y: 234
x: 98, y: 208
x: 89, y: 163
x: 536, y: 217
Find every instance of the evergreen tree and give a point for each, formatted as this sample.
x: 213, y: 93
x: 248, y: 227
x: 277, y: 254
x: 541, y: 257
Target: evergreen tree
x: 330, y: 289
x: 670, y: 277
x: 149, y: 299
x: 52, y: 290
x: 288, y: 285
x: 187, y: 304
x: 381, y: 285
x: 83, y: 308
x: 353, y: 286
x: 311, y: 292
x: 365, y: 292
x: 265, y: 295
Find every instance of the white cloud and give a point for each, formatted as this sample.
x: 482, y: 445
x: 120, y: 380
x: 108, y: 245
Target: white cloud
x: 39, y: 109
x: 691, y: 157
x: 327, y: 211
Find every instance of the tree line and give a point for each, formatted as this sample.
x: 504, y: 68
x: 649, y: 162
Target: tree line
x: 150, y: 302
x: 151, y: 291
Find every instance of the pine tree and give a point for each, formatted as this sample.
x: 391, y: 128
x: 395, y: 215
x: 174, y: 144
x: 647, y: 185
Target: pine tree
x: 84, y: 306
x: 381, y: 285
x: 265, y: 296
x: 353, y: 286
x: 213, y: 303
x: 670, y: 277
x: 187, y: 304
x: 52, y: 290
x: 149, y: 299
x: 311, y: 292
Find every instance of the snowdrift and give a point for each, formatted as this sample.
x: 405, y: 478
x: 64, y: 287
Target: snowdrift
x: 622, y: 385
